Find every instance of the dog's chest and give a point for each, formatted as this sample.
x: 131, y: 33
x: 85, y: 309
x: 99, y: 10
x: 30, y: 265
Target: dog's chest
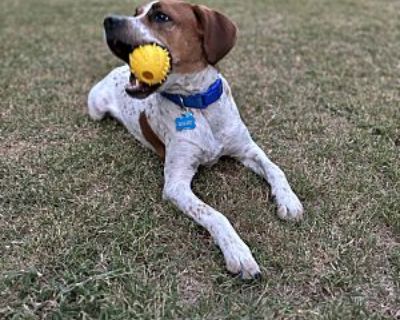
x: 208, y: 137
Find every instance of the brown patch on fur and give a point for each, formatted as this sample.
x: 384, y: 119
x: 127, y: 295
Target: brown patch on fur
x: 195, y: 36
x: 181, y: 35
x: 219, y: 33
x: 151, y: 136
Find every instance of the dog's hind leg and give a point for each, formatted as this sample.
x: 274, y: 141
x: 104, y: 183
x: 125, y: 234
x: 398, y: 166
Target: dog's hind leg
x: 179, y: 171
x: 107, y: 96
x: 101, y: 102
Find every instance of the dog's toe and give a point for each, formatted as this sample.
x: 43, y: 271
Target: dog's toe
x: 287, y: 213
x: 239, y: 261
x: 289, y: 206
x: 256, y: 276
x: 250, y: 274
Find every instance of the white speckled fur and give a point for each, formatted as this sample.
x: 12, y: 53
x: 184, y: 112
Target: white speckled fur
x: 219, y: 131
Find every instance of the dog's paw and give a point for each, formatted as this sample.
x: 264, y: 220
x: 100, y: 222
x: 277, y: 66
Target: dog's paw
x: 240, y: 261
x: 289, y: 205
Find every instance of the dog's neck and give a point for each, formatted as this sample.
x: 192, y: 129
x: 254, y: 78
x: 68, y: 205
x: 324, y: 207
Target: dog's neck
x: 191, y: 83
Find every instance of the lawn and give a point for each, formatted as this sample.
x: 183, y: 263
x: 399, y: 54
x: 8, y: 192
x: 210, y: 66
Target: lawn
x: 84, y: 233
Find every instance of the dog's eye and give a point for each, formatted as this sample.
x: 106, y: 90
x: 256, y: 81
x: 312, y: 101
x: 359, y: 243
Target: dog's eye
x: 160, y: 17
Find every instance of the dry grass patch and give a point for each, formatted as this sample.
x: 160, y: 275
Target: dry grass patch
x: 84, y: 233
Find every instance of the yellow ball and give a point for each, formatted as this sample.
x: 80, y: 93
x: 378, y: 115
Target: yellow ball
x: 150, y: 64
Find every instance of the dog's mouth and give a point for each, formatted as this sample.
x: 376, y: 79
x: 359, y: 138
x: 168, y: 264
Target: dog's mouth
x: 138, y: 89
x: 135, y: 88
x: 119, y: 49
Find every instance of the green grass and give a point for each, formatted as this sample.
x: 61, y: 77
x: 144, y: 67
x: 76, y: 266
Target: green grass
x: 84, y: 232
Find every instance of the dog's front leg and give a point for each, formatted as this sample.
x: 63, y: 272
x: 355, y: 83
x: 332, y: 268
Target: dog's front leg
x: 253, y: 157
x: 179, y: 171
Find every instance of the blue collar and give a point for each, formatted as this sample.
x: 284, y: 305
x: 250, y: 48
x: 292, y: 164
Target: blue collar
x: 200, y: 100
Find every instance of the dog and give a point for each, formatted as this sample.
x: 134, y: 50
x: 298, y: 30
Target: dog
x: 197, y: 38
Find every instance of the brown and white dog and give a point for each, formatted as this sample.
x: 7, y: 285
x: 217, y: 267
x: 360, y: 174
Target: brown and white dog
x: 196, y: 38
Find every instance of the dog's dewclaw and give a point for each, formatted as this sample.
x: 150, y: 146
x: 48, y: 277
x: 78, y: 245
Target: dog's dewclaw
x: 150, y: 64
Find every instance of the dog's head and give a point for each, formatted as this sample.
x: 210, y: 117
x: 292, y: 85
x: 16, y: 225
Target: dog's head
x: 194, y: 35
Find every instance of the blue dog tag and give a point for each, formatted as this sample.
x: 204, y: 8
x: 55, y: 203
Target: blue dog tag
x: 185, y: 122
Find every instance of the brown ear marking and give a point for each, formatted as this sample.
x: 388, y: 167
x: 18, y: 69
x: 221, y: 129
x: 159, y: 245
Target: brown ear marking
x: 218, y: 31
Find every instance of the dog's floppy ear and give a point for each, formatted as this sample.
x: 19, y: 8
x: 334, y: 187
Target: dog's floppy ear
x: 218, y: 31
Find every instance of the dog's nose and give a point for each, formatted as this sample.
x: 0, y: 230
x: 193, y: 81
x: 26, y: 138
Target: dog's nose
x: 113, y: 22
